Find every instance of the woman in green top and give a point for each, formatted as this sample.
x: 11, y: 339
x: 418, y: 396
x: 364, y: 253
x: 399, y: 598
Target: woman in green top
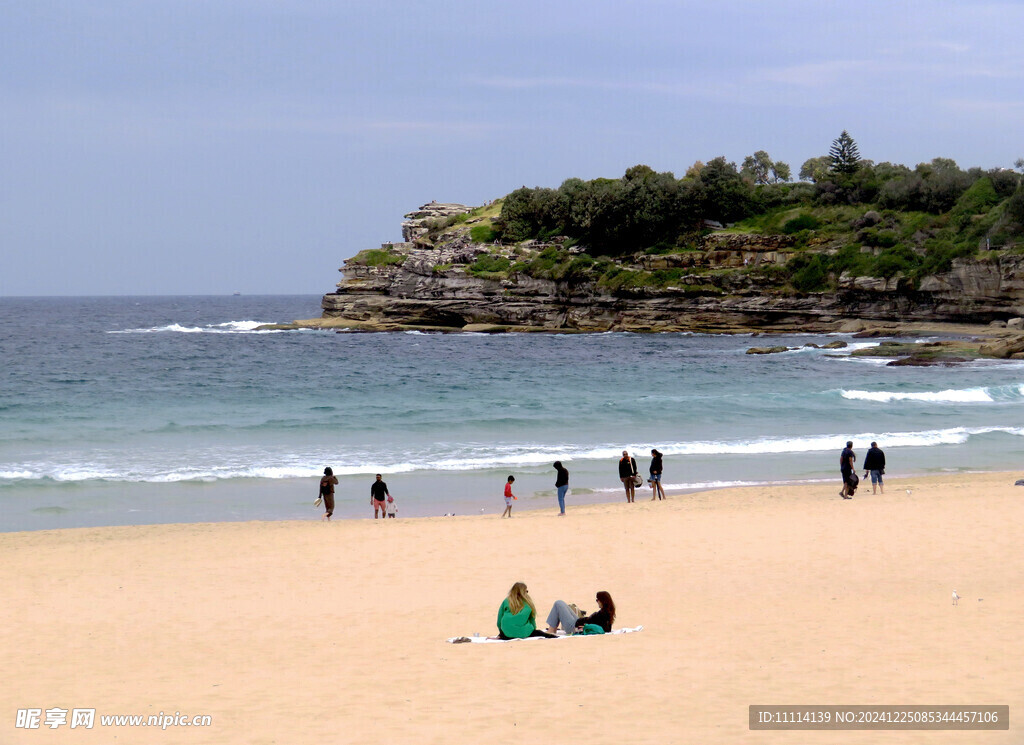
x: 517, y: 616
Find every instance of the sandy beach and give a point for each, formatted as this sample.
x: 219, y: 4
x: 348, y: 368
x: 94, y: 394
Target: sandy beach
x: 308, y: 632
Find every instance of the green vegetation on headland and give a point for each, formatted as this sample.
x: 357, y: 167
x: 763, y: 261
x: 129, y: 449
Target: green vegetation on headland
x: 378, y: 257
x: 848, y: 216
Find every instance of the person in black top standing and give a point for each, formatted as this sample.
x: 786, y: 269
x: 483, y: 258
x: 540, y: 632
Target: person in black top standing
x: 627, y: 475
x: 874, y: 465
x: 846, y: 461
x: 561, y: 485
x: 378, y: 492
x: 656, y: 489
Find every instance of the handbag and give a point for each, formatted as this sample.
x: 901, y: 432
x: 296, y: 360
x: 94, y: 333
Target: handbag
x: 638, y: 480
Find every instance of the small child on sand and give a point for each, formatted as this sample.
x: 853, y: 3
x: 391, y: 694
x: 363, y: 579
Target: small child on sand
x: 509, y: 496
x: 392, y: 507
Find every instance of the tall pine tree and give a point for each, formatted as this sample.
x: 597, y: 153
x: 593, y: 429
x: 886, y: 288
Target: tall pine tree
x: 844, y: 155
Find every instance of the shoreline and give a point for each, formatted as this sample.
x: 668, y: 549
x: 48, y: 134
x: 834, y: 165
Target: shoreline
x: 840, y: 325
x: 811, y: 489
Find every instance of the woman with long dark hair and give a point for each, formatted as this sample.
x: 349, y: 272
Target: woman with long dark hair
x: 562, y: 615
x: 655, y: 480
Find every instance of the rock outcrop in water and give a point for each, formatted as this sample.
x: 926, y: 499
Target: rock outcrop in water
x: 441, y: 278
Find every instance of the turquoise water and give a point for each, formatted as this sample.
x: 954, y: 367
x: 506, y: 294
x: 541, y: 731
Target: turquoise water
x: 137, y: 410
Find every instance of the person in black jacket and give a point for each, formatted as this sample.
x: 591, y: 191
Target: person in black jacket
x: 655, y: 479
x: 874, y: 464
x: 561, y: 485
x: 627, y: 475
x: 562, y: 615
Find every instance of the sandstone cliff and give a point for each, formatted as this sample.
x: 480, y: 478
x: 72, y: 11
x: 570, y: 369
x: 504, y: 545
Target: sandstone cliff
x: 439, y: 278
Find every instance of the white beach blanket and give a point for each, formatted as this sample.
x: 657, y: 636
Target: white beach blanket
x: 559, y: 635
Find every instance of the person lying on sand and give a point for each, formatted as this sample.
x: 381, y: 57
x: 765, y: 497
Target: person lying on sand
x: 562, y: 615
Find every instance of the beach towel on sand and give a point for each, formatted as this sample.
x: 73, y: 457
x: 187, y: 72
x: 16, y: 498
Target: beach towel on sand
x: 560, y: 635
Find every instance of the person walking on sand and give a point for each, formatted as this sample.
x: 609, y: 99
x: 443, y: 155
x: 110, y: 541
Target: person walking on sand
x: 327, y: 483
x: 656, y: 488
x: 627, y: 475
x: 874, y: 465
x: 378, y: 491
x: 846, y: 461
x: 392, y: 507
x: 509, y: 496
x: 561, y: 485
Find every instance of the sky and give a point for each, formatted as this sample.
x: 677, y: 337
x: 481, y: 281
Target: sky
x: 150, y: 147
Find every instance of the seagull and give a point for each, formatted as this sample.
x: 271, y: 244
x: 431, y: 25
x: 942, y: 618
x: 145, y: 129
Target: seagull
x: 908, y: 491
x: 956, y: 598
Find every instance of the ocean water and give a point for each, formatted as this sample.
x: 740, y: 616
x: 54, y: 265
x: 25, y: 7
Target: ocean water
x: 142, y: 410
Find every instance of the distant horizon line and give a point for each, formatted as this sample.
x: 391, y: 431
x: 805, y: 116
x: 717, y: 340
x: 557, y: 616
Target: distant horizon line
x: 169, y: 295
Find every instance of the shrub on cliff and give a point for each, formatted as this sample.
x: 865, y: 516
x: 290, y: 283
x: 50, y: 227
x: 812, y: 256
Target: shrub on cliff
x: 800, y: 222
x: 377, y: 257
x: 894, y: 260
x: 939, y: 255
x: 489, y: 266
x: 932, y: 187
x: 809, y: 272
x: 483, y: 234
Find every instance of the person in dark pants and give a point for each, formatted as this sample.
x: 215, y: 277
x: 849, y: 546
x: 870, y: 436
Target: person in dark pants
x: 874, y: 466
x: 627, y: 475
x: 378, y: 491
x: 561, y: 485
x: 327, y: 484
x: 846, y: 461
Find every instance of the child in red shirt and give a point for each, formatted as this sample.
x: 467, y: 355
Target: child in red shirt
x: 509, y: 496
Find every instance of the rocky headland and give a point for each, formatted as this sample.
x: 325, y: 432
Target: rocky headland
x: 446, y: 275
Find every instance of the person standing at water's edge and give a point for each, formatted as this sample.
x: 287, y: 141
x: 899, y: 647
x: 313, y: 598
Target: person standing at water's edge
x: 327, y: 484
x: 846, y: 461
x: 561, y: 485
x: 378, y: 491
x: 627, y: 475
x: 656, y: 488
x: 874, y: 465
x: 509, y: 496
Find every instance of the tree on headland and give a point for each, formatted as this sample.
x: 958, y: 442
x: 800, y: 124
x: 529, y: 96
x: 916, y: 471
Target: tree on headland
x: 844, y: 155
x: 815, y: 169
x: 720, y: 193
x: 761, y: 169
x: 693, y: 172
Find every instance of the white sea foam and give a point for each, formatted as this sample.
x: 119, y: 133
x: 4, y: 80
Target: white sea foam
x: 967, y: 395
x: 694, y: 485
x: 853, y: 346
x: 1003, y: 393
x: 466, y: 458
x: 17, y: 475
x: 231, y: 327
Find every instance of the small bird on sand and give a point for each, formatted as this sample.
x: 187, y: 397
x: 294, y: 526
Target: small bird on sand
x: 908, y: 491
x: 956, y: 598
